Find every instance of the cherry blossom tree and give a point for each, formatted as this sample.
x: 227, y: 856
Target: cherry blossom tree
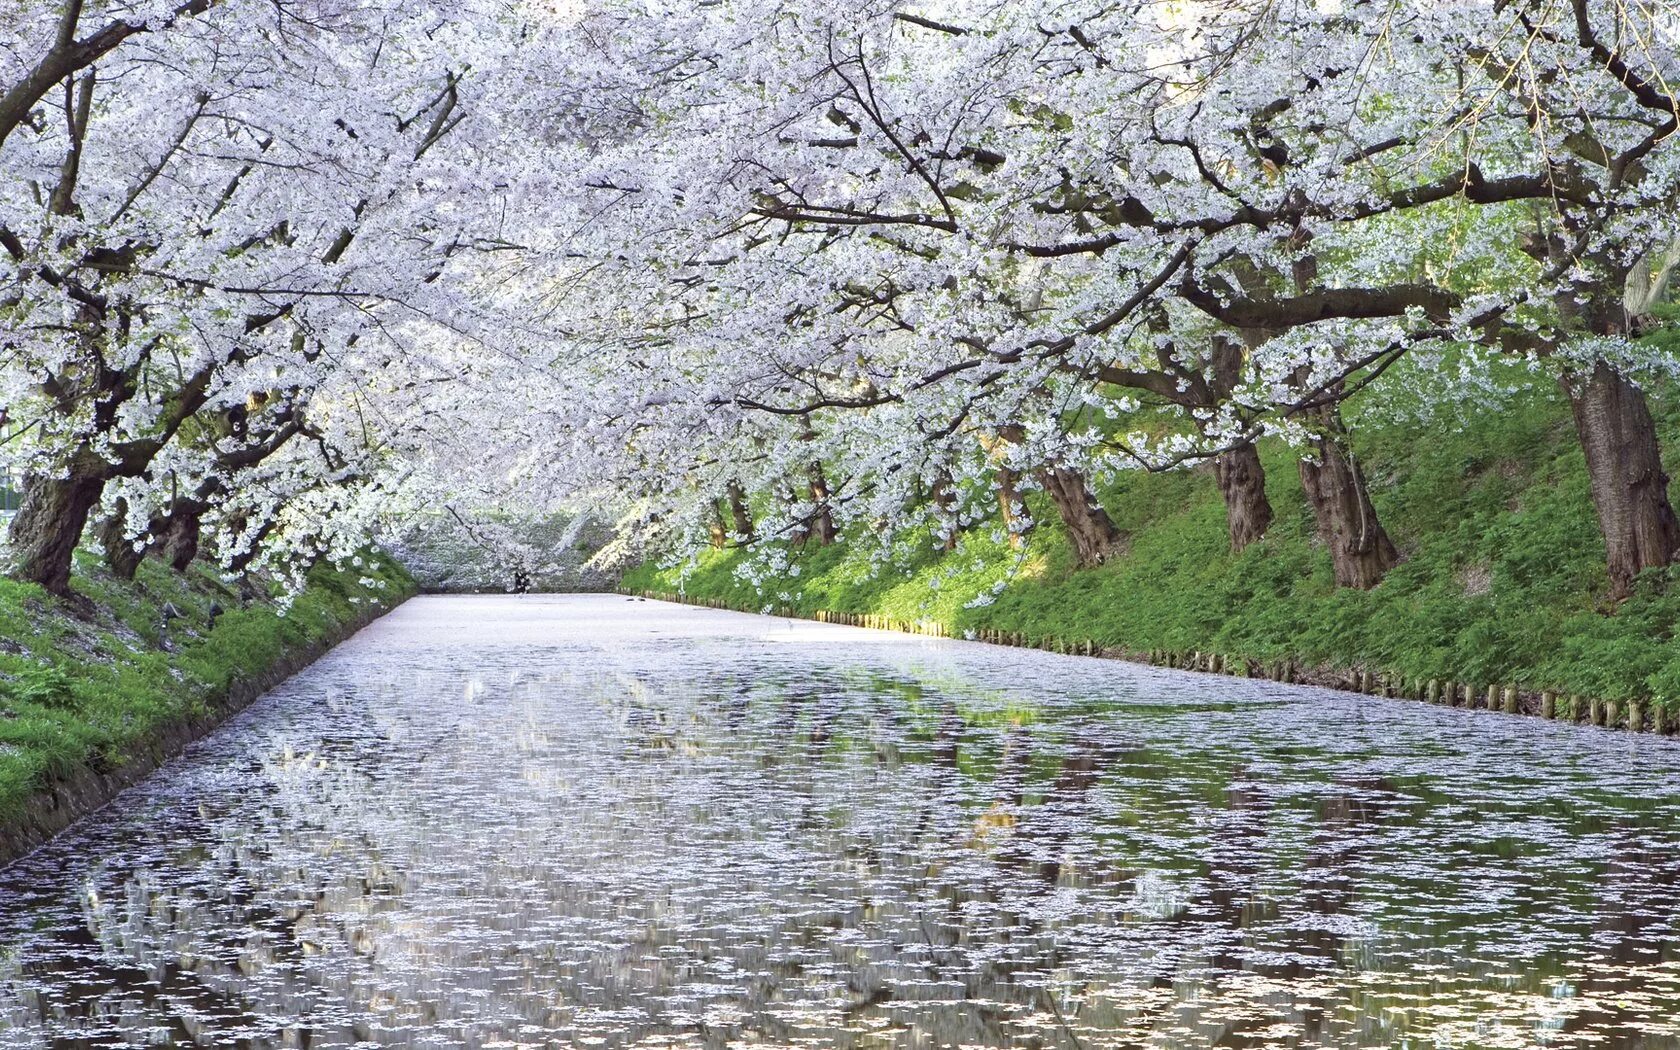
x: 752, y: 273
x: 206, y: 212
x: 989, y: 220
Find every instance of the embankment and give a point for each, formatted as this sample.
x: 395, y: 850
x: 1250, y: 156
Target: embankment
x: 96, y: 693
x: 1502, y: 584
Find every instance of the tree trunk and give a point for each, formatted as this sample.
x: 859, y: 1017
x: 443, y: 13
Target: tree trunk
x: 1242, y: 481
x: 801, y: 526
x: 1009, y: 507
x: 246, y: 558
x: 1360, y: 551
x: 1624, y: 468
x: 945, y: 501
x: 121, y: 556
x: 822, y: 519
x: 739, y: 513
x: 48, y: 526
x: 718, y: 531
x: 1090, y: 530
x: 181, y: 537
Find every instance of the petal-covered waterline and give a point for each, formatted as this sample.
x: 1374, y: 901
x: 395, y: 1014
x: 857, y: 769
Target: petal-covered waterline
x: 594, y: 821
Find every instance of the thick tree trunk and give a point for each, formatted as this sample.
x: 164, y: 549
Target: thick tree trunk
x: 121, y: 556
x: 739, y: 513
x: 801, y: 526
x: 1242, y: 482
x: 1360, y: 551
x: 719, y: 532
x: 1624, y: 468
x: 48, y: 526
x: 181, y: 537
x: 945, y: 499
x: 246, y: 558
x: 1009, y: 507
x: 1090, y: 530
x: 822, y: 529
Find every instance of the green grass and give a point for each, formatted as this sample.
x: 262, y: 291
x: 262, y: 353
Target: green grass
x: 1503, y: 578
x: 88, y: 685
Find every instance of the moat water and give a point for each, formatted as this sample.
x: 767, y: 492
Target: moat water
x: 590, y: 821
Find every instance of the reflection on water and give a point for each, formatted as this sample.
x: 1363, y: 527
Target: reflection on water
x: 589, y: 821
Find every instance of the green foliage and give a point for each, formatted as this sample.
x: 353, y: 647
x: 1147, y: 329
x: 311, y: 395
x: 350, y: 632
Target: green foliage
x: 80, y: 688
x: 1503, y: 578
x: 45, y: 686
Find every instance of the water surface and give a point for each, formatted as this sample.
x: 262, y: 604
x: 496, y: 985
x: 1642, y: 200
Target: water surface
x: 594, y: 821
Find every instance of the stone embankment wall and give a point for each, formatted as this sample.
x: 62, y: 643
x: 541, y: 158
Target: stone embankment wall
x: 1634, y: 715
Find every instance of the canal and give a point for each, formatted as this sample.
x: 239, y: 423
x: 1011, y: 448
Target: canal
x: 594, y: 821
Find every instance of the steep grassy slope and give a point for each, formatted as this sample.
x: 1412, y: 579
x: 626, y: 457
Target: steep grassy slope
x: 85, y: 685
x: 1503, y: 578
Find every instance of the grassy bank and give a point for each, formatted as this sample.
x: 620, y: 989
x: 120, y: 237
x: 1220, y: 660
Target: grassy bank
x: 1503, y: 578
x: 85, y: 685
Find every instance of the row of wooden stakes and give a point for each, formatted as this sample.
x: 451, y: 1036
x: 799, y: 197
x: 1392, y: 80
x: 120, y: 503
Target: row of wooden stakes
x: 1635, y: 715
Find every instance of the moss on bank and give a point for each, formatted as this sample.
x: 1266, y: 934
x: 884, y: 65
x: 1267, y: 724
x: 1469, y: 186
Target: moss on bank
x: 1503, y: 578
x: 83, y: 684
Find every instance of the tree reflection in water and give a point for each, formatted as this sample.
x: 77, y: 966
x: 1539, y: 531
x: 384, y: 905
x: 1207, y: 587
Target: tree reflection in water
x: 581, y: 821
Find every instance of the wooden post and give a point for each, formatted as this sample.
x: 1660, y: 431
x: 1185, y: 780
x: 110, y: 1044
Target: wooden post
x: 1509, y: 700
x: 1595, y: 712
x: 1432, y: 691
x: 1636, y: 716
x: 1612, y: 714
x: 1659, y: 719
x: 1548, y: 704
